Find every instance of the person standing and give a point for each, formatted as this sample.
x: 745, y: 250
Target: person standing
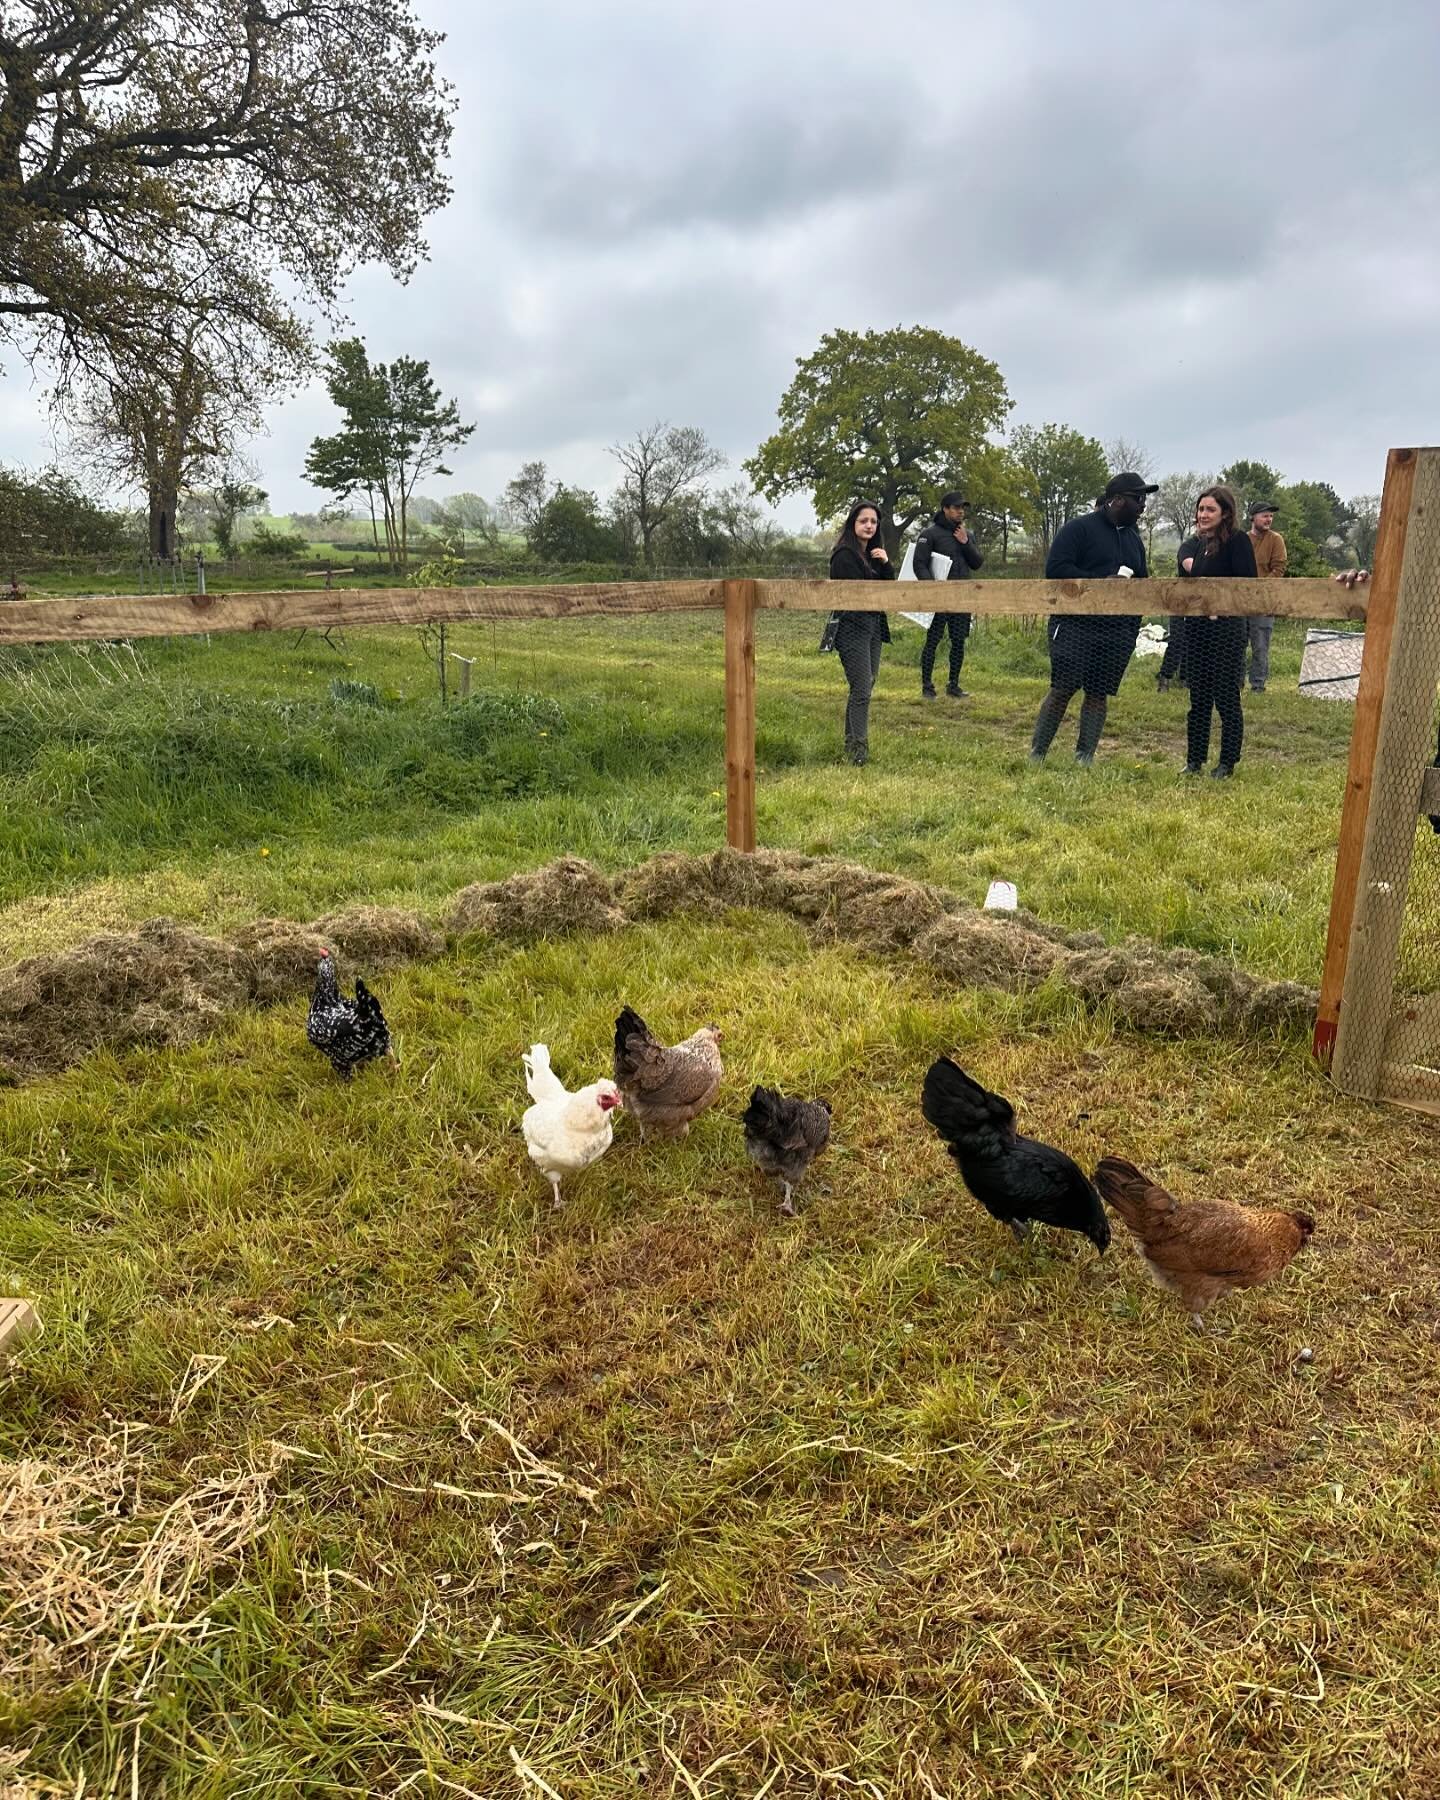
x: 857, y: 637
x: 1215, y: 647
x: 1089, y: 650
x: 1172, y: 664
x: 1270, y: 557
x: 946, y: 535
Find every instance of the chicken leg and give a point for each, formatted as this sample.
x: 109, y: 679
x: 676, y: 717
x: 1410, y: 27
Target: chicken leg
x: 787, y: 1205
x: 557, y: 1202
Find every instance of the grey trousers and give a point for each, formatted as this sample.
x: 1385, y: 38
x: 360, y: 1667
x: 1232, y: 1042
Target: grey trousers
x: 1260, y: 628
x: 858, y: 644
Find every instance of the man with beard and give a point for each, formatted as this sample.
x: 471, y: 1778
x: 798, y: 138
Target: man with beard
x: 1090, y: 651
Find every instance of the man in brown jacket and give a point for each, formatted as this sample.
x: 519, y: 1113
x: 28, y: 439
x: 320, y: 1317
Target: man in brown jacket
x: 1269, y: 565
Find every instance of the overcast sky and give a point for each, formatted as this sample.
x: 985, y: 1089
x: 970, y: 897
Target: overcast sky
x: 1214, y: 231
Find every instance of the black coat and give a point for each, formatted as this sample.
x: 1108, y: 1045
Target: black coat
x: 1236, y: 556
x: 1092, y: 548
x: 847, y: 564
x: 939, y: 535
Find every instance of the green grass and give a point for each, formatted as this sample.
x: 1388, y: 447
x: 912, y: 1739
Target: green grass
x: 180, y: 775
x: 664, y: 1495
x: 904, y: 1503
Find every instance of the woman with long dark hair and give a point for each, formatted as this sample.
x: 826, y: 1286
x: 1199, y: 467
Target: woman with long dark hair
x: 857, y: 636
x: 1215, y: 647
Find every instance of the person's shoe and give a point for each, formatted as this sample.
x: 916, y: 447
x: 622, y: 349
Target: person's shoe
x: 927, y: 691
x: 1036, y: 758
x: 859, y: 754
x: 1194, y: 768
x: 957, y: 693
x: 1084, y: 759
x: 1162, y: 684
x: 1257, y: 690
x: 1222, y: 771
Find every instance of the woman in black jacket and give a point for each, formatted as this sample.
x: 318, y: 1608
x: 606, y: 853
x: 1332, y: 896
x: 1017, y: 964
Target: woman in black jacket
x: 857, y: 636
x: 1215, y: 647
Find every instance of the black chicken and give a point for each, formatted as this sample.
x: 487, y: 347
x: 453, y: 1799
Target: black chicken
x: 783, y: 1137
x: 1015, y: 1179
x: 350, y: 1032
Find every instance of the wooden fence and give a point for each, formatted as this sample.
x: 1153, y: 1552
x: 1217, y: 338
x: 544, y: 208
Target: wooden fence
x: 33, y: 621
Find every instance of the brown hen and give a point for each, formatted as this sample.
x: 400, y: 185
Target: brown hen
x: 666, y: 1086
x: 1206, y: 1247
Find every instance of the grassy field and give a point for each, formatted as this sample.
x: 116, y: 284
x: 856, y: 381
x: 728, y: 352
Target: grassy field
x: 345, y: 1467
x: 217, y: 781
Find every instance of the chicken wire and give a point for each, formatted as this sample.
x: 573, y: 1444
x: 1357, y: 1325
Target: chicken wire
x: 1388, y: 1045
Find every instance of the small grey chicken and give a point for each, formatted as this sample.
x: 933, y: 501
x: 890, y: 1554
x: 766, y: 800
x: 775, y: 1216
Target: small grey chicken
x: 783, y: 1137
x: 666, y: 1087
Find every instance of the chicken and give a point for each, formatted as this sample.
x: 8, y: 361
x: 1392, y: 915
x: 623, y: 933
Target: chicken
x: 349, y: 1032
x: 783, y: 1137
x: 667, y: 1088
x: 564, y: 1132
x: 1015, y: 1179
x: 1206, y: 1247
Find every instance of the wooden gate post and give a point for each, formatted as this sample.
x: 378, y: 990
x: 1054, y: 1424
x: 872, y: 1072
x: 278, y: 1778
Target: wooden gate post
x: 1384, y: 590
x: 1404, y: 746
x: 740, y: 601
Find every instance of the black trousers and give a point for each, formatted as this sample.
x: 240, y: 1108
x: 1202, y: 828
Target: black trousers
x: 958, y: 625
x: 1215, y: 664
x: 1172, y: 664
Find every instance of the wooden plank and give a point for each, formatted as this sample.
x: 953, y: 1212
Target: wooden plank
x: 18, y: 1319
x: 1364, y: 736
x: 299, y: 609
x: 1404, y: 745
x: 1419, y: 1089
x: 740, y: 828
x: 1414, y: 1035
x: 1308, y: 598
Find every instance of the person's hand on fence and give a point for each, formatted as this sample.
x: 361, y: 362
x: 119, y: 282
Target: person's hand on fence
x: 1352, y: 577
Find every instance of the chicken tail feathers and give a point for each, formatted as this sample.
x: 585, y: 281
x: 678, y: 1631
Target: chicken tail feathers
x: 1130, y: 1192
x: 960, y: 1109
x: 541, y: 1081
x: 629, y: 1025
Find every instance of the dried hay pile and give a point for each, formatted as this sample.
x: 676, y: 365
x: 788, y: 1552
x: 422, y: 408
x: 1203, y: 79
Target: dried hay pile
x: 97, y: 1573
x: 167, y: 985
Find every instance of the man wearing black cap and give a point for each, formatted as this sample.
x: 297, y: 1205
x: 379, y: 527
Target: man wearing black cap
x: 1269, y: 565
x: 1089, y: 650
x: 946, y: 535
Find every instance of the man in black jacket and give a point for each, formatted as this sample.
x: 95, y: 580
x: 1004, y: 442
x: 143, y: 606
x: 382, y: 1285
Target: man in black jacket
x: 946, y: 535
x: 1092, y: 650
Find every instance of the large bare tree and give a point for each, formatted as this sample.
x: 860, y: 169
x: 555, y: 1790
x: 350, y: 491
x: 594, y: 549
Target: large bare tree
x: 662, y: 464
x: 159, y: 157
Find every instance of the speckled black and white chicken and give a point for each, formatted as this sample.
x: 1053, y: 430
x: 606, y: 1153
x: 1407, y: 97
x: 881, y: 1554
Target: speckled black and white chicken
x: 350, y: 1033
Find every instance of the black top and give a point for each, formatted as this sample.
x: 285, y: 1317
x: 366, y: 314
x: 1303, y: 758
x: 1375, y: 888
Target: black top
x: 1092, y: 548
x: 939, y: 535
x: 1236, y: 556
x: 848, y: 565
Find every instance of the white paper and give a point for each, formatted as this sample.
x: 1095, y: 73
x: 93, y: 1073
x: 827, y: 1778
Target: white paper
x: 1002, y: 897
x: 940, y: 564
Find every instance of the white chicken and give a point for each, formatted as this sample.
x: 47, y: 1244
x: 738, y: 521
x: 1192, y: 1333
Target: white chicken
x: 565, y: 1132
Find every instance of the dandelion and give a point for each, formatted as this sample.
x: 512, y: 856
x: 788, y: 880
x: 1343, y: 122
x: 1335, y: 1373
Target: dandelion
x: 264, y: 851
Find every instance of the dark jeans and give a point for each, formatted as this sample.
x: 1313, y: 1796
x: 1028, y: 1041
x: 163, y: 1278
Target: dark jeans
x: 858, y: 643
x: 1259, y: 632
x: 1215, y: 652
x: 958, y: 625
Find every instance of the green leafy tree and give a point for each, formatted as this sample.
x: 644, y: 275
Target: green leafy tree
x: 1063, y: 472
x: 224, y: 162
x: 995, y: 484
x: 884, y: 416
x: 396, y: 432
x: 234, y: 496
x: 1252, y: 481
x: 571, y: 529
x: 48, y: 514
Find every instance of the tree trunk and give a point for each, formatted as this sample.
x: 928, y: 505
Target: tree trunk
x: 164, y: 504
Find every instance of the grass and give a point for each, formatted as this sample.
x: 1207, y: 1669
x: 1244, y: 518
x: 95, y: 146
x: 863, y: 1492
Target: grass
x: 242, y: 777
x: 875, y: 1503
x: 344, y: 1467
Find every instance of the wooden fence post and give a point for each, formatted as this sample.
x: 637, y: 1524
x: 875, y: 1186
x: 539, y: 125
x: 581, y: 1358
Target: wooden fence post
x: 1404, y: 745
x: 740, y: 601
x: 1384, y: 586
